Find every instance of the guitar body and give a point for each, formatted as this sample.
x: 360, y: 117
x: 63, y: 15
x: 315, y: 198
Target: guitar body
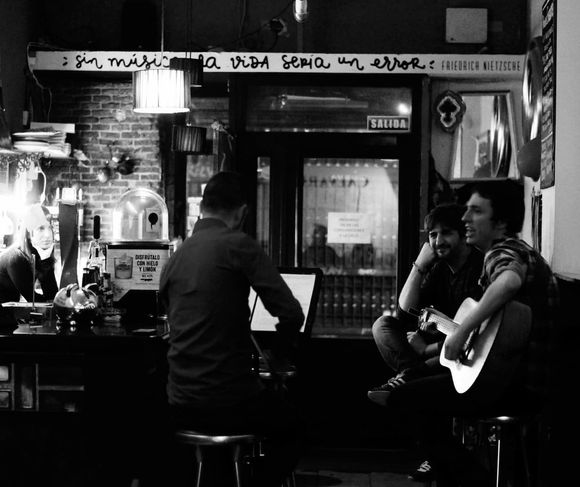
x: 497, y: 348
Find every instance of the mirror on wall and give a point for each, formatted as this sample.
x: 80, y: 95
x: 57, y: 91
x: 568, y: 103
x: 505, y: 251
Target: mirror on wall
x: 485, y: 143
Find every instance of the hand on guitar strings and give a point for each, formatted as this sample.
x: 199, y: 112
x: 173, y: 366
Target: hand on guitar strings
x: 454, y: 346
x: 428, y: 328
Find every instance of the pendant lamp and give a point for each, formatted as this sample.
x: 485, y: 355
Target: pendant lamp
x: 188, y: 138
x: 194, y: 67
x: 161, y: 90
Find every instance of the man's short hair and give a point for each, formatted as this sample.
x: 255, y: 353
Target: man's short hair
x: 507, y: 202
x: 447, y: 215
x: 224, y: 191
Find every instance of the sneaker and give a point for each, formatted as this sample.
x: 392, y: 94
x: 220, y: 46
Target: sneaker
x: 379, y: 394
x: 424, y: 473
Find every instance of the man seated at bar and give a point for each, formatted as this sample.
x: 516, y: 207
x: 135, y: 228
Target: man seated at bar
x: 30, y: 259
x: 205, y: 288
x: 512, y: 270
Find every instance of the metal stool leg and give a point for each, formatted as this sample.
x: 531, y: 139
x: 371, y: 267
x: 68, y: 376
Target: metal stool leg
x: 498, y: 458
x: 237, y: 449
x: 525, y: 459
x: 289, y: 481
x: 199, y: 458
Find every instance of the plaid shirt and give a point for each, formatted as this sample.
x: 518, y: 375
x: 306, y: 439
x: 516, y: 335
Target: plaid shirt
x: 539, y: 290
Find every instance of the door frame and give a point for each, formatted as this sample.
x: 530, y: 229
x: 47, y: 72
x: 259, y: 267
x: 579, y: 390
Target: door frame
x: 291, y: 148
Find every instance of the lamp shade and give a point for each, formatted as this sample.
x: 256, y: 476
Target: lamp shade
x: 188, y: 139
x: 161, y: 91
x: 193, y: 66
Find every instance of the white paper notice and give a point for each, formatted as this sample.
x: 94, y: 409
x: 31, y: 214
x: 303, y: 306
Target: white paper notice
x: 349, y: 228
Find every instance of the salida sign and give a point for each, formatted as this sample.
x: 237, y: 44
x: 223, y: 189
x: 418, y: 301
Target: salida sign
x: 388, y: 123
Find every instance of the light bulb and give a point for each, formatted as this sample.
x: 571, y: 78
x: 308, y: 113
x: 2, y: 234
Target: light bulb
x: 300, y: 10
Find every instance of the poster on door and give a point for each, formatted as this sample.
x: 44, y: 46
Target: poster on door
x: 349, y: 228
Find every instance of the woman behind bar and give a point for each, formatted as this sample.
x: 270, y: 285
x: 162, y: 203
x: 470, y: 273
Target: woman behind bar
x: 28, y: 260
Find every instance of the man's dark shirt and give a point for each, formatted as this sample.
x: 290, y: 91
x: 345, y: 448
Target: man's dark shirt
x: 205, y: 286
x: 445, y: 290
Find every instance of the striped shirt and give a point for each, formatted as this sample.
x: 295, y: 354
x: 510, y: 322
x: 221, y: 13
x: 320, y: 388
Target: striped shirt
x: 539, y: 290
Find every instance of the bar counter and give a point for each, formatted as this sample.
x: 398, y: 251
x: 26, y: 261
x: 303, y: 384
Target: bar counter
x: 80, y: 408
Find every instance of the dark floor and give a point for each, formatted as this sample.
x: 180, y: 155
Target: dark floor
x: 356, y: 468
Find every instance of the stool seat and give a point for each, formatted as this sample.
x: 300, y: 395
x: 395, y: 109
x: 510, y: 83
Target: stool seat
x: 497, y: 420
x: 191, y: 437
x: 203, y: 440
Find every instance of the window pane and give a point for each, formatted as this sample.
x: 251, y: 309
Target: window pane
x: 328, y: 109
x: 350, y: 229
x: 200, y: 168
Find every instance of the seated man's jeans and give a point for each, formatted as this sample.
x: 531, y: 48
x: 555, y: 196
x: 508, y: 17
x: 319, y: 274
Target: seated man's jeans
x: 390, y: 334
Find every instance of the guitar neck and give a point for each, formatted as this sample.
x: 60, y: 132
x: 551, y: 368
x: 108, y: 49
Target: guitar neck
x: 443, y: 323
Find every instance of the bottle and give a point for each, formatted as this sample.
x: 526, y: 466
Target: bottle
x: 5, y: 140
x: 107, y: 291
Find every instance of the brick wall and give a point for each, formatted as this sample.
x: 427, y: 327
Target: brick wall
x: 104, y: 117
x: 102, y: 111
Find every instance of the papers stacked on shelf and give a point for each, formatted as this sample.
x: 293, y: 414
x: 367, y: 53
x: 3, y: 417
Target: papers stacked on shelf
x: 50, y: 142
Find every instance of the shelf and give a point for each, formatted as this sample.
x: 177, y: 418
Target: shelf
x: 47, y: 162
x: 481, y: 180
x: 67, y: 388
x: 44, y: 159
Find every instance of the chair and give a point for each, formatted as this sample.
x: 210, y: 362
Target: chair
x: 202, y: 441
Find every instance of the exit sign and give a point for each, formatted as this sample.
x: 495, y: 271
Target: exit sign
x: 388, y: 123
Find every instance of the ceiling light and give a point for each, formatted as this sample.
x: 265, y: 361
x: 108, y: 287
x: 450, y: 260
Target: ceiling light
x: 161, y: 90
x: 300, y: 10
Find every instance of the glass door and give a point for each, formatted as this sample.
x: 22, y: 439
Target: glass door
x: 350, y: 224
x: 338, y: 209
x: 350, y: 230
x: 332, y: 192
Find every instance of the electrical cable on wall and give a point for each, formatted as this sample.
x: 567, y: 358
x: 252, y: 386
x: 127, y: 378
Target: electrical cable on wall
x: 263, y: 26
x: 45, y: 107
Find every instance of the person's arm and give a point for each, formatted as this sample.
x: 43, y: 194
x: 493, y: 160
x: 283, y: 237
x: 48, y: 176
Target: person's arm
x: 271, y: 287
x: 19, y: 270
x: 47, y: 279
x: 498, y: 293
x: 410, y: 294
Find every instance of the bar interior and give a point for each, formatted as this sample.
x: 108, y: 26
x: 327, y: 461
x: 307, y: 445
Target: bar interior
x: 348, y: 123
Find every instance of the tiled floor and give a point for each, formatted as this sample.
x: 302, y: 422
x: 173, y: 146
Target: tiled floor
x: 352, y: 479
x: 356, y: 468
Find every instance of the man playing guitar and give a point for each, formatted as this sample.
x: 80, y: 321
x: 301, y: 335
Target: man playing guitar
x: 513, y: 271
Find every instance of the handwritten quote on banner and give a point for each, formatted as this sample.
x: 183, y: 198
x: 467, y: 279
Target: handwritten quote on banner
x: 505, y: 65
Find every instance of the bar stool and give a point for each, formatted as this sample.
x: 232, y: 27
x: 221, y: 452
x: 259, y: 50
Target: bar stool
x: 202, y: 441
x: 498, y: 428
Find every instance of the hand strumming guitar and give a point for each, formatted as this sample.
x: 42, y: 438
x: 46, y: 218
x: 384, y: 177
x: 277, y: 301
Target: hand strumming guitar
x: 455, y: 343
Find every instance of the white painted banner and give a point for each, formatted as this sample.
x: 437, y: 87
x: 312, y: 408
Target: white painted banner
x: 436, y: 65
x: 349, y: 228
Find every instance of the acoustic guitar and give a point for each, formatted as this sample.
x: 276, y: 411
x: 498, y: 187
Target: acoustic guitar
x: 493, y: 350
